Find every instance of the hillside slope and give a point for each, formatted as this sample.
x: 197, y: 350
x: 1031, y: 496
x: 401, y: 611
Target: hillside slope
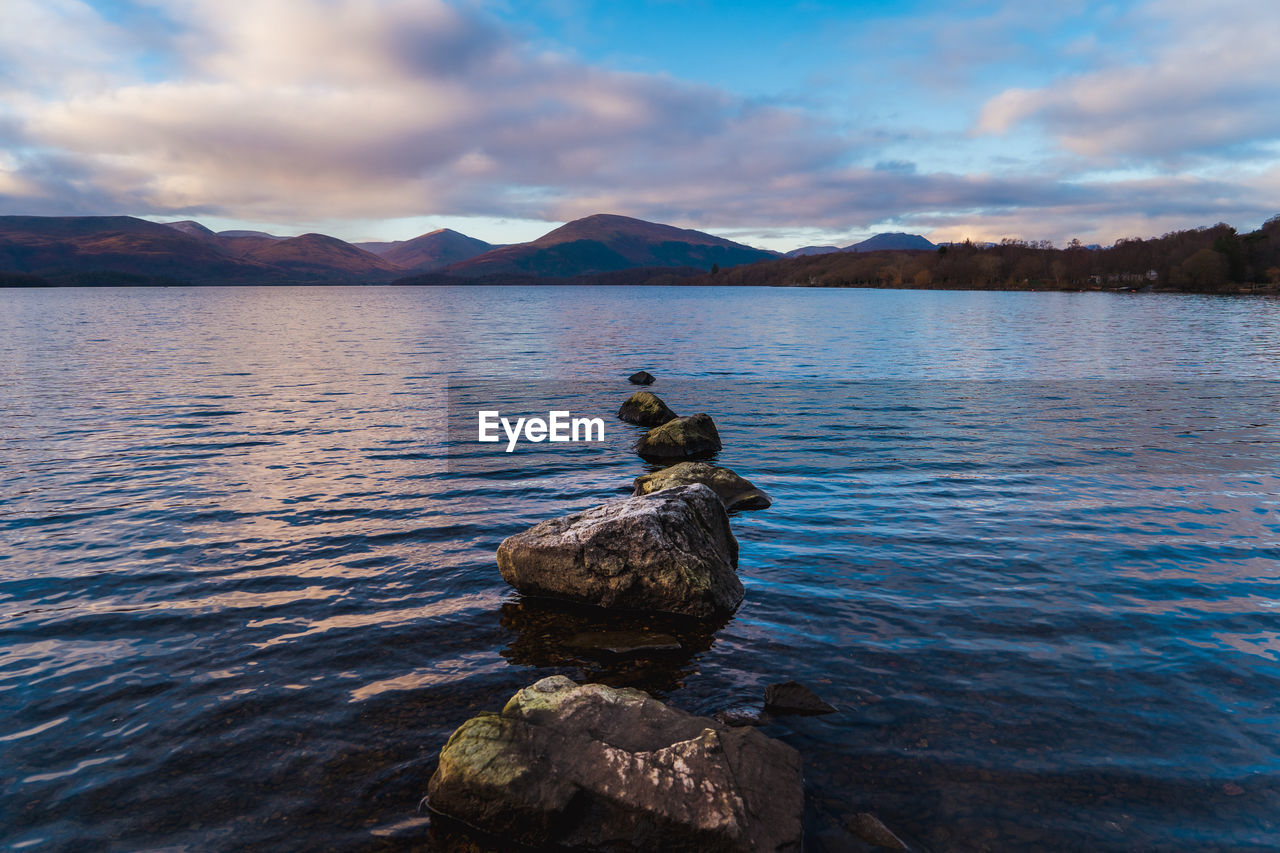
x: 429, y: 252
x: 607, y: 243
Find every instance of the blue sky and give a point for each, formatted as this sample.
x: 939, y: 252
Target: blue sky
x: 777, y: 125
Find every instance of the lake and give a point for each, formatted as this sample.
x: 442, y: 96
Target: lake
x: 1027, y: 543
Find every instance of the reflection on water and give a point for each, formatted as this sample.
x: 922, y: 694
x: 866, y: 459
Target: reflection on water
x: 654, y: 652
x: 1027, y: 543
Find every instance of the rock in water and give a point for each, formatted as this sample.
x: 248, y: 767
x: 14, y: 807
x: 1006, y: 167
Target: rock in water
x: 744, y: 716
x: 597, y: 768
x: 792, y: 697
x: 733, y: 491
x: 671, y: 551
x: 869, y: 828
x: 682, y: 438
x: 645, y: 409
x: 642, y: 377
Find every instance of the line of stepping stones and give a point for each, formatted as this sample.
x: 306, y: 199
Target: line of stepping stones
x: 598, y: 768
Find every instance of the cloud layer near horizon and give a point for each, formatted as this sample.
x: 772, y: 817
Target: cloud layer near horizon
x: 306, y: 110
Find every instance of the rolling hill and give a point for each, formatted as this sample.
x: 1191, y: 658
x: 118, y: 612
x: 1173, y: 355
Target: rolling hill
x: 126, y: 250
x: 608, y: 243
x: 192, y: 229
x: 319, y: 255
x: 429, y: 252
x: 74, y: 248
x: 894, y: 242
x: 806, y: 251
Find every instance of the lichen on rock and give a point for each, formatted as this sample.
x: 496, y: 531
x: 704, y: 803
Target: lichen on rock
x: 645, y: 408
x: 692, y: 437
x: 671, y: 551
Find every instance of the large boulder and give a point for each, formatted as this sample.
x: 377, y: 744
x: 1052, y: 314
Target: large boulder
x: 671, y: 551
x: 597, y: 768
x: 691, y: 437
x: 646, y: 409
x: 733, y: 491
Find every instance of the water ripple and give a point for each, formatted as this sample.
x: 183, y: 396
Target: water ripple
x: 1028, y: 544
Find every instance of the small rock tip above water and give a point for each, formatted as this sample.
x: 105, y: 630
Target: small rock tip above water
x: 641, y: 377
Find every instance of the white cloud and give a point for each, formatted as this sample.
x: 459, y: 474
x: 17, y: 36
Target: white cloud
x: 50, y: 46
x: 1204, y: 85
x: 347, y: 108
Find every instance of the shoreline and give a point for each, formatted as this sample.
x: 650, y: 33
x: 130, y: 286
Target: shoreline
x: 1233, y: 290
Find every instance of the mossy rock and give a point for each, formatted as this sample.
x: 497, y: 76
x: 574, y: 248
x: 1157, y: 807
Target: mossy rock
x: 735, y: 492
x: 645, y: 409
x: 671, y: 552
x: 591, y: 767
x: 692, y: 437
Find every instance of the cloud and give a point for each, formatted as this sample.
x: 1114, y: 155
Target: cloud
x: 49, y: 46
x: 355, y: 109
x: 337, y: 110
x: 1104, y: 211
x: 1203, y: 84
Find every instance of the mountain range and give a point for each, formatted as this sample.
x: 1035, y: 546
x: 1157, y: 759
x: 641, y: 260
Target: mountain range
x: 605, y: 248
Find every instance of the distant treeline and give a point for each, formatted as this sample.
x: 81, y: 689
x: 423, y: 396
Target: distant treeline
x: 88, y: 278
x: 21, y: 279
x: 1203, y: 260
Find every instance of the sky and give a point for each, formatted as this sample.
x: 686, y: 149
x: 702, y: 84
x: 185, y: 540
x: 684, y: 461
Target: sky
x: 776, y: 125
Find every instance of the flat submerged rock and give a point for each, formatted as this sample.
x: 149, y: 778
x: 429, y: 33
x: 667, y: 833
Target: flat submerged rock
x: 596, y: 768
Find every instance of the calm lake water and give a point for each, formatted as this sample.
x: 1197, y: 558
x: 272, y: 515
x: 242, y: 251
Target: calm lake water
x: 1028, y: 543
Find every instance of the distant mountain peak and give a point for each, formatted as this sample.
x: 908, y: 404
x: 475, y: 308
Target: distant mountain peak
x: 250, y: 234
x: 883, y: 242
x: 805, y: 251
x: 607, y: 227
x: 609, y: 242
x: 428, y: 252
x: 191, y: 228
x: 318, y: 254
x: 890, y: 241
